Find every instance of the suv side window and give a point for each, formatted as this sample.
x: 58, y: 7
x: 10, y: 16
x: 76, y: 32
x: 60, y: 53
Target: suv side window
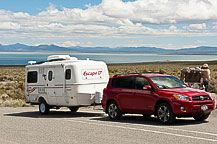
x: 116, y: 83
x: 140, y: 82
x: 123, y: 82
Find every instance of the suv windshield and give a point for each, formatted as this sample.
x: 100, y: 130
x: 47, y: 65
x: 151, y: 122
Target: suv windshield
x: 165, y: 82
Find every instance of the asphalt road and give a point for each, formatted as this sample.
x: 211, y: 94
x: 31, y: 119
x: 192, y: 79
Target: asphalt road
x: 27, y: 126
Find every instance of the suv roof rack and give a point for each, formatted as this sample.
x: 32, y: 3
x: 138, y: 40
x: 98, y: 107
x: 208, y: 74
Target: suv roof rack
x: 146, y: 73
x: 125, y: 74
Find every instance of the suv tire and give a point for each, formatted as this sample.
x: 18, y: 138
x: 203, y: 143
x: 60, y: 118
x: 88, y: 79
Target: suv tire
x: 113, y: 110
x: 201, y: 117
x: 165, y: 114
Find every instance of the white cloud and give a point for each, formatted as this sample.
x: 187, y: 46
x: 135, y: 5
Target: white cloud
x: 68, y: 44
x: 162, y: 11
x: 21, y: 15
x: 113, y: 18
x: 9, y: 26
x: 189, y: 46
x: 173, y: 28
x: 197, y: 26
x: 215, y: 26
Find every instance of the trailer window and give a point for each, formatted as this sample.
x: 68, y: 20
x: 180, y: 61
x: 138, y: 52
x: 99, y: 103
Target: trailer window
x: 50, y: 75
x: 32, y: 77
x: 68, y: 74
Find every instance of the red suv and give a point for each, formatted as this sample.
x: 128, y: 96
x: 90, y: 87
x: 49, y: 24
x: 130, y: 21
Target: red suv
x: 162, y: 95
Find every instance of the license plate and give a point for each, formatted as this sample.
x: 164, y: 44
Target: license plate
x: 204, y: 107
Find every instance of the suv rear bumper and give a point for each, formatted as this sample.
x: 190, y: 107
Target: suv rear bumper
x: 192, y: 108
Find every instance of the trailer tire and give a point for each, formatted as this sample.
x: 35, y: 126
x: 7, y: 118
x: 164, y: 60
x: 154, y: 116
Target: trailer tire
x: 44, y: 107
x: 74, y: 108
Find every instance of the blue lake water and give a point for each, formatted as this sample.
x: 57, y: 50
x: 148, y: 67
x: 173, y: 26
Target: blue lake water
x: 23, y: 58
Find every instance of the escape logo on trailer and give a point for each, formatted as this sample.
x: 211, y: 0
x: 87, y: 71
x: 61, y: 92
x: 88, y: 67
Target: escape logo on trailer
x: 92, y: 74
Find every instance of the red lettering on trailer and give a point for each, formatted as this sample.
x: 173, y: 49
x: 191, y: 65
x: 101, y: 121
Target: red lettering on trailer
x: 92, y: 73
x: 99, y: 72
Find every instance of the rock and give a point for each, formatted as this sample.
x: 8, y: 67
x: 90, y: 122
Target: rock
x: 4, y: 96
x: 214, y: 95
x: 7, y: 103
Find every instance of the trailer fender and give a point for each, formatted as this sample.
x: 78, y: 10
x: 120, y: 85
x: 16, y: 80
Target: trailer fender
x: 41, y: 99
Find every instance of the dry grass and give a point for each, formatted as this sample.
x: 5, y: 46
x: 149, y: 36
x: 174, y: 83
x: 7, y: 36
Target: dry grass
x: 12, y: 81
x: 13, y: 103
x: 12, y: 78
x: 12, y: 86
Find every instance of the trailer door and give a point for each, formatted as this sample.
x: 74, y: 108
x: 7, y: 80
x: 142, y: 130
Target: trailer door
x: 60, y: 86
x: 51, y: 86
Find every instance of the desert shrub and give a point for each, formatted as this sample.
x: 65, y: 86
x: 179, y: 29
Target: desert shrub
x: 14, y: 103
x: 3, y: 78
x: 144, y: 70
x: 162, y: 71
x: 9, y: 88
x: 21, y: 85
x: 2, y: 91
x: 212, y: 89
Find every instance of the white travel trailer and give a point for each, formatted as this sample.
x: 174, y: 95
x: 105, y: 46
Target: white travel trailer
x: 65, y: 81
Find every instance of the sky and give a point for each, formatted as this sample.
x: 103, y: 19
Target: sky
x: 170, y: 24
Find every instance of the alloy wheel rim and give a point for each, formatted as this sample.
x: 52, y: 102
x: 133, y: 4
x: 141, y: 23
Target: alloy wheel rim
x: 163, y: 114
x: 113, y: 110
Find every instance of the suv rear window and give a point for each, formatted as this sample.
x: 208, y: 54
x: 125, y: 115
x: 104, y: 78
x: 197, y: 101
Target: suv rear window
x: 123, y: 82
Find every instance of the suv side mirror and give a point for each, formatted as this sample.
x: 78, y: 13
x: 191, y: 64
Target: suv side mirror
x: 187, y: 84
x: 147, y: 87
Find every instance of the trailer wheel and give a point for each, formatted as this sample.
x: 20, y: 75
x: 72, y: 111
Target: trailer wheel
x: 44, y: 108
x: 74, y: 108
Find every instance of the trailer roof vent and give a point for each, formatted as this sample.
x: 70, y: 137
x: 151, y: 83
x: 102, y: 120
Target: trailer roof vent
x: 58, y: 57
x: 31, y: 62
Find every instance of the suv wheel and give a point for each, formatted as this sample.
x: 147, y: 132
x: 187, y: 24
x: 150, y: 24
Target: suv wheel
x: 114, y: 111
x: 165, y: 114
x: 44, y: 107
x: 201, y: 117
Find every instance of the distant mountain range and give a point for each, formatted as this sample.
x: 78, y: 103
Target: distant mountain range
x: 149, y: 50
